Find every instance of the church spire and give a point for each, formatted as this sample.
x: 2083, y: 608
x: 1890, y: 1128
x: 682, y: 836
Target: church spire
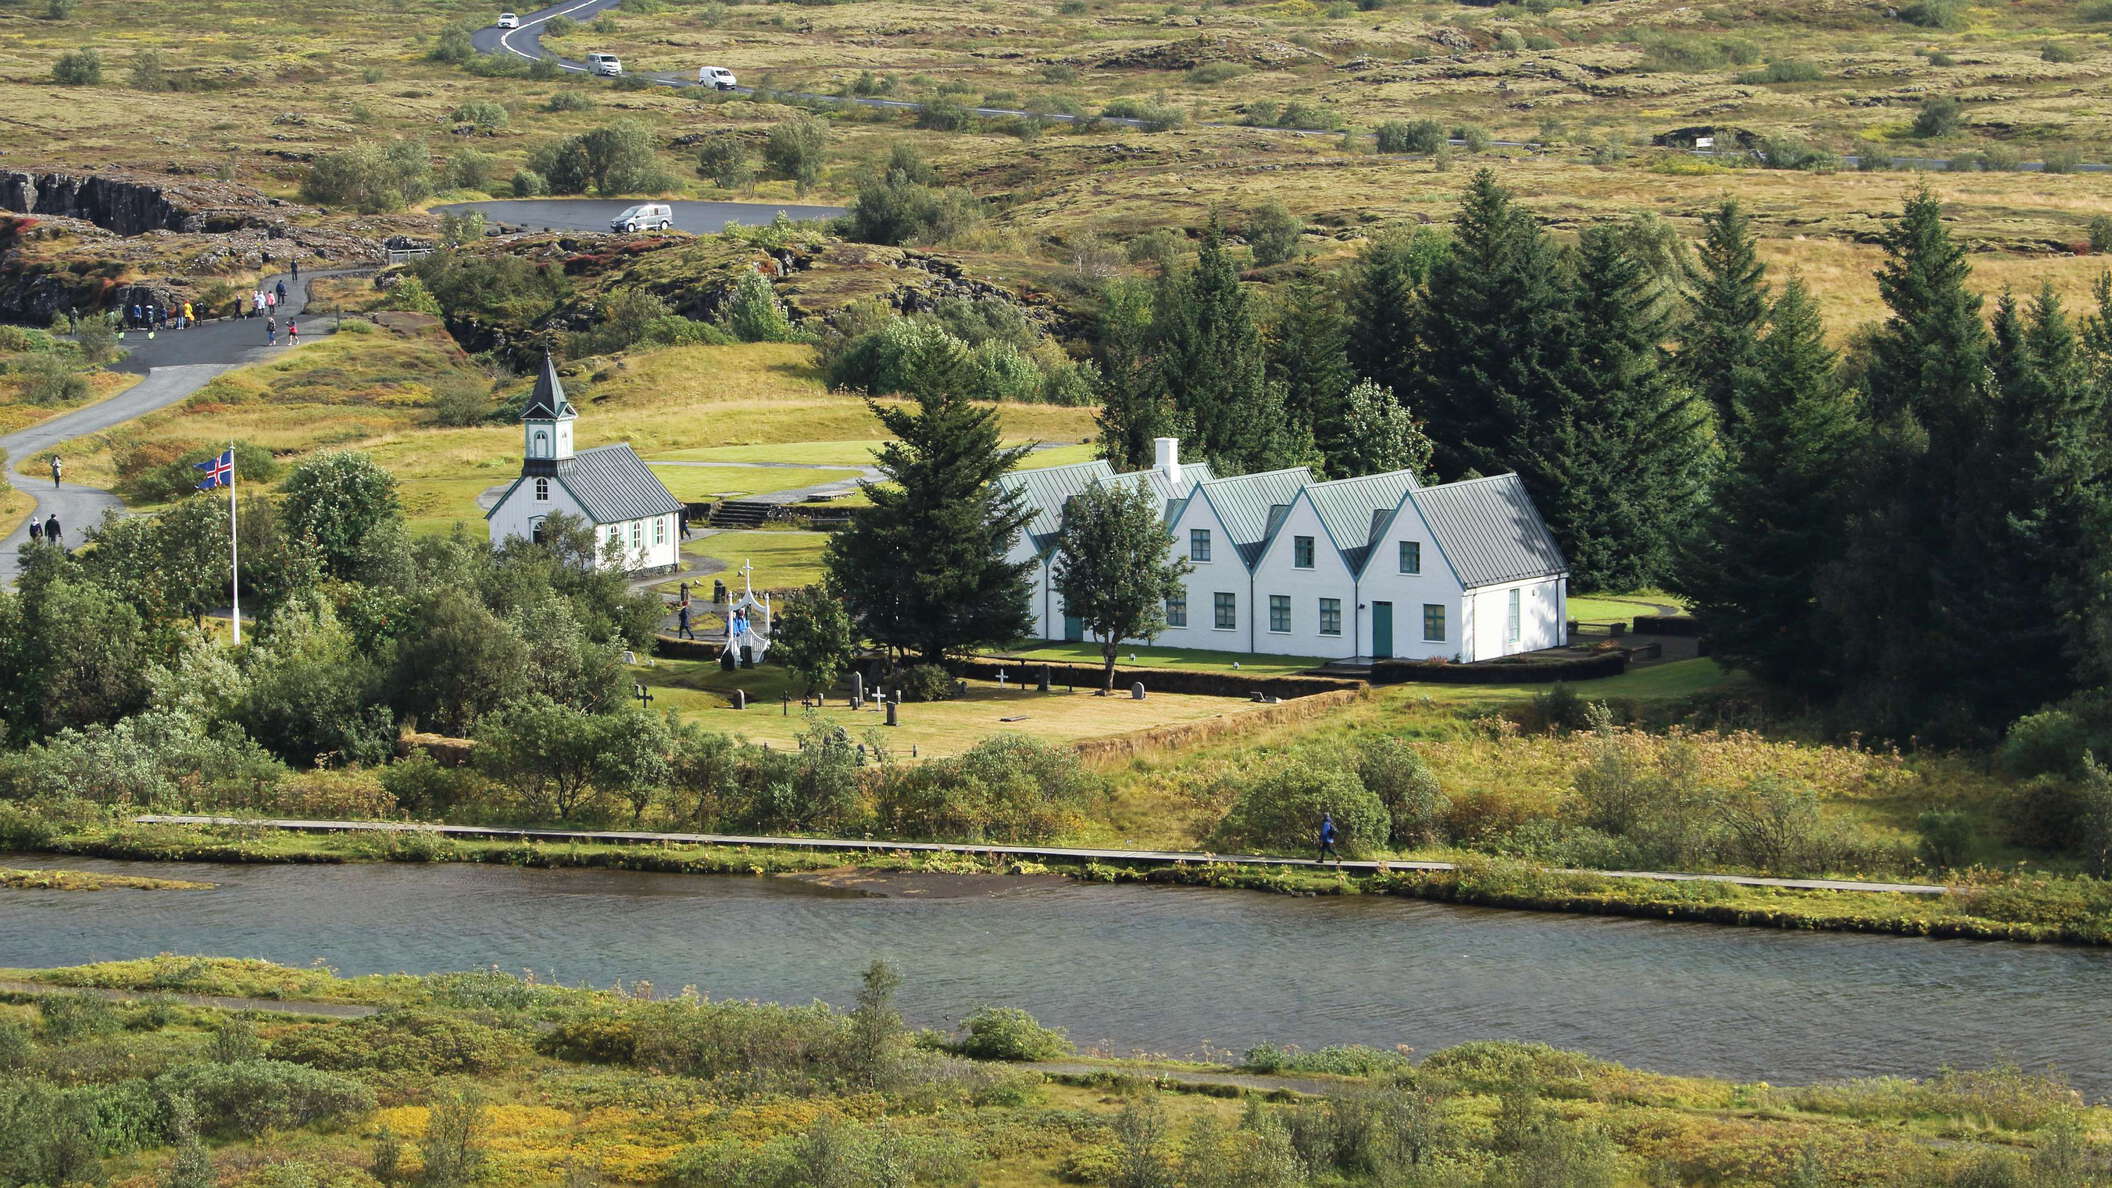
x: 546, y: 424
x: 548, y: 402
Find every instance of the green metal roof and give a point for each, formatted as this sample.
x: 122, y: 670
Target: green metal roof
x: 1246, y: 504
x: 1355, y: 510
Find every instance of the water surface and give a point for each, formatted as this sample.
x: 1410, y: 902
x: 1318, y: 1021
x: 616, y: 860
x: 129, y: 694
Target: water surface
x: 1152, y: 969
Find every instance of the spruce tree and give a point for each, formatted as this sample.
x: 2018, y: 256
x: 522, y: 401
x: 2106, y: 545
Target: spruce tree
x: 1490, y: 334
x: 924, y: 572
x: 1309, y: 363
x: 1133, y: 406
x: 1774, y: 519
x: 1616, y: 465
x: 1730, y: 307
x: 1897, y: 596
x: 1212, y: 368
x: 1382, y: 295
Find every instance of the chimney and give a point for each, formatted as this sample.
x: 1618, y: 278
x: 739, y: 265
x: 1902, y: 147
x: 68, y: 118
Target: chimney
x: 1167, y: 451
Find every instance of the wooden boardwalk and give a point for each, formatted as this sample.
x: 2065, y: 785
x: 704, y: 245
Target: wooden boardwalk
x: 1028, y: 853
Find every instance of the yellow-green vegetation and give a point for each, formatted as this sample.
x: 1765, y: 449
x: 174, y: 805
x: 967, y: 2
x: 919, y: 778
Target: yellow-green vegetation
x: 782, y: 559
x: 81, y: 880
x: 701, y: 690
x: 526, y: 1083
x: 699, y: 484
x: 370, y: 386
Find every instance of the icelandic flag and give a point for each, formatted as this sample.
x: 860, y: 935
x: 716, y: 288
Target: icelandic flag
x: 220, y: 471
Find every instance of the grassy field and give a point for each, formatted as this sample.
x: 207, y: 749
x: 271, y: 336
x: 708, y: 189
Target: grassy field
x: 783, y: 559
x: 700, y: 690
x: 1189, y: 658
x: 563, y: 1079
x: 697, y: 484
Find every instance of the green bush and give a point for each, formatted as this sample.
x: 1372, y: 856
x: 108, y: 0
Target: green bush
x: 1935, y: 14
x: 1348, y: 1060
x: 924, y: 682
x: 1419, y: 137
x: 2060, y: 52
x: 69, y: 1017
x: 78, y: 68
x: 1008, y: 1033
x: 1211, y: 73
x: 49, y: 379
x: 2101, y: 234
x: 16, y: 1048
x: 570, y: 101
x: 1783, y: 70
x: 1280, y: 810
x: 1006, y: 788
x: 247, y: 1099
x: 1392, y: 770
x: 483, y: 114
x: 1938, y: 116
x: 1946, y: 837
x: 401, y: 1041
x: 1154, y: 117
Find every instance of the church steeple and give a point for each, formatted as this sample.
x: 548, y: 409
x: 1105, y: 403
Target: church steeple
x: 547, y: 423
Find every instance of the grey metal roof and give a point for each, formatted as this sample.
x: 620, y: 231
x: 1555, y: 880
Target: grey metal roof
x: 1355, y: 510
x: 612, y: 483
x: 1247, y: 503
x: 548, y: 402
x: 1490, y: 531
x: 1045, y: 490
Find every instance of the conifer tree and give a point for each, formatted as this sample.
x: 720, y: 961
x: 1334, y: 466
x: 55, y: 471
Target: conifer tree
x: 1895, y: 596
x: 1133, y: 406
x: 1616, y: 466
x: 1309, y: 362
x: 1211, y: 367
x: 1490, y: 334
x: 1774, y: 518
x: 1383, y: 286
x: 924, y: 572
x: 1729, y: 308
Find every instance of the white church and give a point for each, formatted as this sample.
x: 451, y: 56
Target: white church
x: 637, y: 523
x: 1283, y: 564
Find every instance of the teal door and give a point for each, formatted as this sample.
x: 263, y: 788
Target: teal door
x: 1381, y: 630
x: 1073, y: 629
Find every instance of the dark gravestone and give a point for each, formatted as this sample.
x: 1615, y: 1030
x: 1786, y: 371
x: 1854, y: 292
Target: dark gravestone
x: 726, y: 660
x: 1043, y: 683
x: 893, y: 708
x: 1136, y: 691
x: 747, y: 656
x: 740, y: 699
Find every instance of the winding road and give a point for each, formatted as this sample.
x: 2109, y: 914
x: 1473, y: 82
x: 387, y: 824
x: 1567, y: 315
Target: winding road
x: 526, y: 42
x: 175, y: 363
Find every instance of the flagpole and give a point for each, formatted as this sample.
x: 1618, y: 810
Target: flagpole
x: 234, y: 547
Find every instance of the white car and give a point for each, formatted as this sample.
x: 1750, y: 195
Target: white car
x: 509, y: 20
x: 606, y: 65
x: 646, y: 216
x: 717, y: 77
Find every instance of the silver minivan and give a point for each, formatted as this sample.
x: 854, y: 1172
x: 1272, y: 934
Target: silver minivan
x: 717, y: 77
x: 646, y: 216
x: 607, y: 65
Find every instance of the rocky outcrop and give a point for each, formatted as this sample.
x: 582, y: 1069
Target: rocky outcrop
x: 134, y: 205
x: 1263, y: 52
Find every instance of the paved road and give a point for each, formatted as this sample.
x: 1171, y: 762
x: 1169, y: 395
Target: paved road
x: 593, y: 214
x: 1045, y: 853
x: 526, y: 42
x: 175, y: 363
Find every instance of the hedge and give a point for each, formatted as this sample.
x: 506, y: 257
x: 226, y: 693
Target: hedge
x: 1686, y: 625
x: 1501, y: 672
x: 1158, y: 680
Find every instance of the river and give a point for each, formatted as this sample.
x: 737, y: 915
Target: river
x: 1169, y: 970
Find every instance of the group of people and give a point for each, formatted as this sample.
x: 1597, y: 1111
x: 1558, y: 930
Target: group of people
x: 47, y: 532
x: 149, y: 316
x: 736, y: 626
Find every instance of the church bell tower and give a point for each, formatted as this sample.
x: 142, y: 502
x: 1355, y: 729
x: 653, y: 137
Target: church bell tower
x: 547, y: 424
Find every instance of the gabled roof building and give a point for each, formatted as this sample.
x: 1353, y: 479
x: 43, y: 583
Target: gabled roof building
x: 636, y: 521
x: 1376, y: 566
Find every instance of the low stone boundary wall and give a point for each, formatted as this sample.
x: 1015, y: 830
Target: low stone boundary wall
x: 1501, y: 672
x: 1156, y: 680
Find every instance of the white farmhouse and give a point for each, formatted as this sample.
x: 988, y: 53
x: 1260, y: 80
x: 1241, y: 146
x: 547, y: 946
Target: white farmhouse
x: 637, y: 523
x: 1371, y: 567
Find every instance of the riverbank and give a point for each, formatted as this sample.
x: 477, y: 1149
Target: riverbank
x: 77, y: 880
x: 2034, y: 909
x: 541, y: 1084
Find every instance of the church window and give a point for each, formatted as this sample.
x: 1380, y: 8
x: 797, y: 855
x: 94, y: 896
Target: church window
x: 659, y: 530
x: 542, y: 490
x: 542, y: 444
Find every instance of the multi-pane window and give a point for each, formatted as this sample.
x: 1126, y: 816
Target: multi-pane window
x: 542, y: 490
x: 1227, y: 610
x: 1198, y: 544
x: 1302, y: 552
x: 1510, y: 631
x: 637, y: 534
x: 1434, y: 622
x: 1411, y: 556
x: 615, y: 537
x: 1279, y: 612
x: 1177, y: 611
x: 659, y: 530
x: 1330, y: 616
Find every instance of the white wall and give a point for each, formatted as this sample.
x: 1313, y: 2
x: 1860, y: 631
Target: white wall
x: 660, y: 536
x: 1277, y: 574
x: 1224, y: 571
x: 516, y: 516
x: 1383, y: 581
x: 1542, y: 609
x: 651, y: 543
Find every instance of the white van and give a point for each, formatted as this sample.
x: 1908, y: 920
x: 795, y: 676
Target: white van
x: 717, y: 77
x: 646, y: 216
x: 607, y: 65
x: 509, y: 20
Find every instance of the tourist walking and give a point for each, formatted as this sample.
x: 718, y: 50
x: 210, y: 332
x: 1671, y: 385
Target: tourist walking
x: 271, y: 330
x: 293, y: 332
x: 282, y: 292
x: 682, y: 618
x: 186, y: 315
x: 51, y: 530
x: 271, y: 303
x: 257, y: 311
x: 36, y: 530
x: 296, y: 272
x: 138, y: 319
x: 54, y: 471
x: 1327, y: 839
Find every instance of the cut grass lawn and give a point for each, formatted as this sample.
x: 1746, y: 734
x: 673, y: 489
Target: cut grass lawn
x: 700, y: 691
x: 1620, y: 607
x: 1168, y: 658
x: 783, y: 559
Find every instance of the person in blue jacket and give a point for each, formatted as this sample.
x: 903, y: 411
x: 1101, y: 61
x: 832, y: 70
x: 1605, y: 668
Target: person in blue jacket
x: 1327, y: 839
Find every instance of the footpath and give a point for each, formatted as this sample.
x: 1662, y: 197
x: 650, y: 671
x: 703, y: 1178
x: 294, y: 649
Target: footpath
x: 175, y: 364
x: 1028, y: 853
